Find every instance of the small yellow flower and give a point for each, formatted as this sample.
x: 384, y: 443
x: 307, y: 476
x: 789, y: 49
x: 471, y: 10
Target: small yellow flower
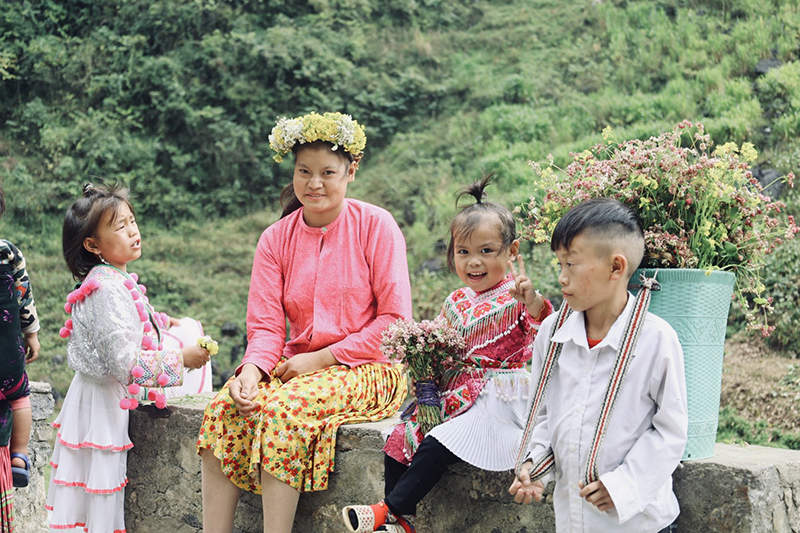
x: 209, y: 344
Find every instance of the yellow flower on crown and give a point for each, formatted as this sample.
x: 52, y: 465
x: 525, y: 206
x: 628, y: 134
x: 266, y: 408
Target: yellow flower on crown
x: 336, y: 128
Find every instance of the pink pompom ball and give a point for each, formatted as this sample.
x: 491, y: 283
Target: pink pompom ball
x: 140, y: 307
x: 92, y: 284
x: 68, y: 323
x: 148, y: 326
x: 125, y: 403
x: 80, y: 295
x: 72, y: 298
x: 85, y: 290
x: 163, y: 379
x: 135, y: 295
x: 152, y: 395
x: 134, y: 276
x: 137, y: 371
x: 161, y: 405
x: 133, y: 403
x: 64, y: 333
x: 134, y: 388
x: 143, y: 288
x: 147, y: 343
x: 129, y: 284
x: 68, y: 307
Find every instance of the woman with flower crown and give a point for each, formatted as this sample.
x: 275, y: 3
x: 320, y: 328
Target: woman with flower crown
x: 336, y: 269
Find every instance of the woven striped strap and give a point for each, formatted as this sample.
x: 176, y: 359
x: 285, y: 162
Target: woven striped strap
x: 625, y: 354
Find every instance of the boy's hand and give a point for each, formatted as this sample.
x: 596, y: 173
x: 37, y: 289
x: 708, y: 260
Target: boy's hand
x: 194, y: 356
x: 32, y: 347
x: 525, y: 491
x: 523, y: 289
x: 597, y: 494
x: 244, y: 389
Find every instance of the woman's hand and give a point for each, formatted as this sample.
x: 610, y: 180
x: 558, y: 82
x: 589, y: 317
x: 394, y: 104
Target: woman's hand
x: 194, y: 356
x: 305, y: 363
x: 244, y: 389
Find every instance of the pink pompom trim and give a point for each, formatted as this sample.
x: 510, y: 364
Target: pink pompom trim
x: 134, y: 388
x: 148, y: 326
x: 133, y: 403
x: 68, y: 323
x: 134, y: 276
x: 143, y: 288
x: 152, y: 395
x: 137, y: 371
x: 163, y: 379
x: 92, y: 284
x: 68, y: 307
x: 72, y: 298
x: 64, y: 332
x: 125, y: 403
x: 135, y: 295
x: 129, y: 284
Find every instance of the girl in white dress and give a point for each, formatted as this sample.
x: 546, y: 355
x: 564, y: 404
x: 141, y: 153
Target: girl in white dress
x: 115, y: 348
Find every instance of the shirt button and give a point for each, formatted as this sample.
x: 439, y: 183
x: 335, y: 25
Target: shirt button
x: 586, y: 370
x: 578, y: 408
x: 573, y: 448
x: 324, y: 229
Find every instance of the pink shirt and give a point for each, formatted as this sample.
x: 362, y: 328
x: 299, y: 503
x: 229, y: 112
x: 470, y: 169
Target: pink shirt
x: 339, y: 286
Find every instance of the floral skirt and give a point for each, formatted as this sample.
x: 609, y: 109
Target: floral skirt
x: 293, y: 434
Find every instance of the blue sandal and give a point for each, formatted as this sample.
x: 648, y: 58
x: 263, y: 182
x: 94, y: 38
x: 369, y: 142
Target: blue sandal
x: 21, y: 475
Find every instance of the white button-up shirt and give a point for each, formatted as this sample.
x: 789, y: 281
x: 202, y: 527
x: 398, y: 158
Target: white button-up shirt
x: 646, y: 435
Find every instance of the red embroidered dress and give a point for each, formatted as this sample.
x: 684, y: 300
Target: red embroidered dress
x: 111, y: 331
x: 484, y: 407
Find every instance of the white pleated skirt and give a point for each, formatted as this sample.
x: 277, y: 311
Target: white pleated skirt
x: 87, y: 482
x: 489, y: 434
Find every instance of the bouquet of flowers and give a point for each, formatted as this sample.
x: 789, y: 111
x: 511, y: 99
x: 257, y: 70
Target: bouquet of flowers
x: 700, y: 208
x: 427, y: 349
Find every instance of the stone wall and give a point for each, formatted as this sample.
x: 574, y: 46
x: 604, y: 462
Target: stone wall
x: 739, y: 490
x: 30, y: 516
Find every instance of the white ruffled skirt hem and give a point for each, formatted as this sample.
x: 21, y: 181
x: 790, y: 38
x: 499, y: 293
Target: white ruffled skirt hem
x: 489, y: 434
x: 87, y: 482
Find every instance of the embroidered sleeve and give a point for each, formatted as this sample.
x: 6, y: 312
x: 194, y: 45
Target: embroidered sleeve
x: 28, y: 317
x: 108, y: 333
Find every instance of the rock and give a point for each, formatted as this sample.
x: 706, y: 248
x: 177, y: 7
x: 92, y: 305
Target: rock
x: 229, y: 329
x: 765, y: 65
x: 767, y: 176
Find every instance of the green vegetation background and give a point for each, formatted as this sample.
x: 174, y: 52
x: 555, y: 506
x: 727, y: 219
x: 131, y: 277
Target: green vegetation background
x: 176, y: 98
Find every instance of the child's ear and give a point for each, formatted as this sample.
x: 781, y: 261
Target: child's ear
x: 91, y: 245
x: 619, y: 266
x: 513, y: 250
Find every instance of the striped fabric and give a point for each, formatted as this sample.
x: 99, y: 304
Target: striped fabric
x: 6, y: 492
x: 625, y: 354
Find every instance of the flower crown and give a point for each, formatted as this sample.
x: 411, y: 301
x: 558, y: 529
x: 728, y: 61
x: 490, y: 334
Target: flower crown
x: 336, y: 128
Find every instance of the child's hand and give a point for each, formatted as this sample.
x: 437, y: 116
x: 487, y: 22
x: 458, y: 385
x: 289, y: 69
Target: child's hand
x: 244, y: 389
x: 173, y: 322
x: 525, y: 491
x: 523, y: 289
x: 597, y: 494
x: 194, y: 356
x: 32, y: 347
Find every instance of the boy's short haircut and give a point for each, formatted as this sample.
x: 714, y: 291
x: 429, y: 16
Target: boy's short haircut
x: 606, y: 220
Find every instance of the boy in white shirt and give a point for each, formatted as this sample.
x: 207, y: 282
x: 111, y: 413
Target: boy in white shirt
x: 599, y: 244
